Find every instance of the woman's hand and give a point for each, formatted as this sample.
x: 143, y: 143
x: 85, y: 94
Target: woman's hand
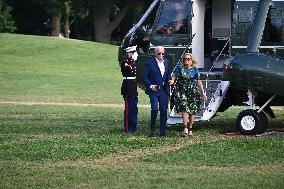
x: 170, y: 82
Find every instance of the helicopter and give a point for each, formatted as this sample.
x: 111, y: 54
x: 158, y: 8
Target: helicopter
x: 239, y: 47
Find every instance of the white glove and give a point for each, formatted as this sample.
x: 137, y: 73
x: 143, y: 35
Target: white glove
x: 134, y: 56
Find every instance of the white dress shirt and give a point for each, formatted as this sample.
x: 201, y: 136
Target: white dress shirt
x: 161, y: 66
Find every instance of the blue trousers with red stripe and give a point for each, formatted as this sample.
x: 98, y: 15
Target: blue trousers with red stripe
x: 130, y: 113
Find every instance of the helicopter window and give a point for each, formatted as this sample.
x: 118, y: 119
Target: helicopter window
x: 273, y: 26
x: 243, y: 16
x: 246, y: 15
x: 173, y: 18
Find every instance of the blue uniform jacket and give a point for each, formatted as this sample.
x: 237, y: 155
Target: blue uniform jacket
x: 153, y: 76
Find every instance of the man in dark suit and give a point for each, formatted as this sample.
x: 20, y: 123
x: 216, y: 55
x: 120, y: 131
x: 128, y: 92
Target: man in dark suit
x: 129, y: 89
x: 156, y: 77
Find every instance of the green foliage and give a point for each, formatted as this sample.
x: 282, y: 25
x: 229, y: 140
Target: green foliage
x: 34, y: 16
x: 79, y: 9
x: 103, y: 3
x: 55, y: 7
x: 7, y: 23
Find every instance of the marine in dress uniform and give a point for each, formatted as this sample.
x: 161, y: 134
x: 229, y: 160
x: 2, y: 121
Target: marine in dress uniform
x: 129, y: 89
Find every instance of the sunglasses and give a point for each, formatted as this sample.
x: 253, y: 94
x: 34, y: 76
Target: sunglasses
x: 188, y: 59
x: 160, y: 53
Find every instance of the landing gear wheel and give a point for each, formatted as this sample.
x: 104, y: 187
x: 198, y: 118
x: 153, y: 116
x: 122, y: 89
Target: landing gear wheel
x: 251, y: 122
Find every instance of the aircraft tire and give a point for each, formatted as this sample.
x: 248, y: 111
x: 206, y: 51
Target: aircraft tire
x: 250, y: 122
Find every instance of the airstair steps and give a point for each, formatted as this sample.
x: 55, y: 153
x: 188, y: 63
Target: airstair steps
x: 215, y: 90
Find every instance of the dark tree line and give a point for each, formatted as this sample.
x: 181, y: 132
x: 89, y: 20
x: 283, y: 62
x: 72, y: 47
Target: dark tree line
x: 6, y: 21
x: 97, y: 20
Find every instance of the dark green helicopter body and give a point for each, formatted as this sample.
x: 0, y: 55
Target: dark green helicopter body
x: 258, y: 72
x: 243, y: 37
x: 257, y: 77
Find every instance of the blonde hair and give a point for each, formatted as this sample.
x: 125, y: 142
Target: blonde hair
x: 194, y: 62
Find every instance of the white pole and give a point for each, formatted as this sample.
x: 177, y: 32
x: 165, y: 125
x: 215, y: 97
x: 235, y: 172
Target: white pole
x: 198, y: 30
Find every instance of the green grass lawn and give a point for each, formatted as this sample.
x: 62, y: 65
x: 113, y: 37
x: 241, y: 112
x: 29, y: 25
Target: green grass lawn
x: 66, y: 146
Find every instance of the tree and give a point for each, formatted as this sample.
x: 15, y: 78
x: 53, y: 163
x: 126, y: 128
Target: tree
x: 6, y: 21
x: 64, y: 10
x: 67, y: 8
x: 48, y: 17
x: 97, y: 20
x: 107, y: 15
x: 55, y: 8
x: 73, y: 10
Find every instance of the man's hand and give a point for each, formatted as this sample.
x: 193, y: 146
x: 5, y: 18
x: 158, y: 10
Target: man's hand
x: 153, y: 87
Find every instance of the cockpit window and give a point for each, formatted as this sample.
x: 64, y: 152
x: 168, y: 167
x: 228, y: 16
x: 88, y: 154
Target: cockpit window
x: 174, y: 18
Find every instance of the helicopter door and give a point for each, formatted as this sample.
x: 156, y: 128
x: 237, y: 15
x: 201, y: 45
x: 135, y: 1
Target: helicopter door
x: 221, y: 31
x: 211, y: 25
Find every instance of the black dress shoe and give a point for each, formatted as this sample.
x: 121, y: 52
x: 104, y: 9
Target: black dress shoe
x: 131, y: 132
x: 151, y: 134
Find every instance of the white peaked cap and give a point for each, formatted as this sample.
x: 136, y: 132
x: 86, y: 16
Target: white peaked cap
x: 131, y: 49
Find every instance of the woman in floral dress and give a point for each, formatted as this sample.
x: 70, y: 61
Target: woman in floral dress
x: 186, y: 91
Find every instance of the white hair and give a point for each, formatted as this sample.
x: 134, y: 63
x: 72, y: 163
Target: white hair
x: 159, y: 47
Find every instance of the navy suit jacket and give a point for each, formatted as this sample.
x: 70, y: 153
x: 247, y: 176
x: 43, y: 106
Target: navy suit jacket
x: 153, y: 76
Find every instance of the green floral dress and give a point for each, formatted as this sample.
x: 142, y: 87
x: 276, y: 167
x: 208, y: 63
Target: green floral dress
x: 185, y: 92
